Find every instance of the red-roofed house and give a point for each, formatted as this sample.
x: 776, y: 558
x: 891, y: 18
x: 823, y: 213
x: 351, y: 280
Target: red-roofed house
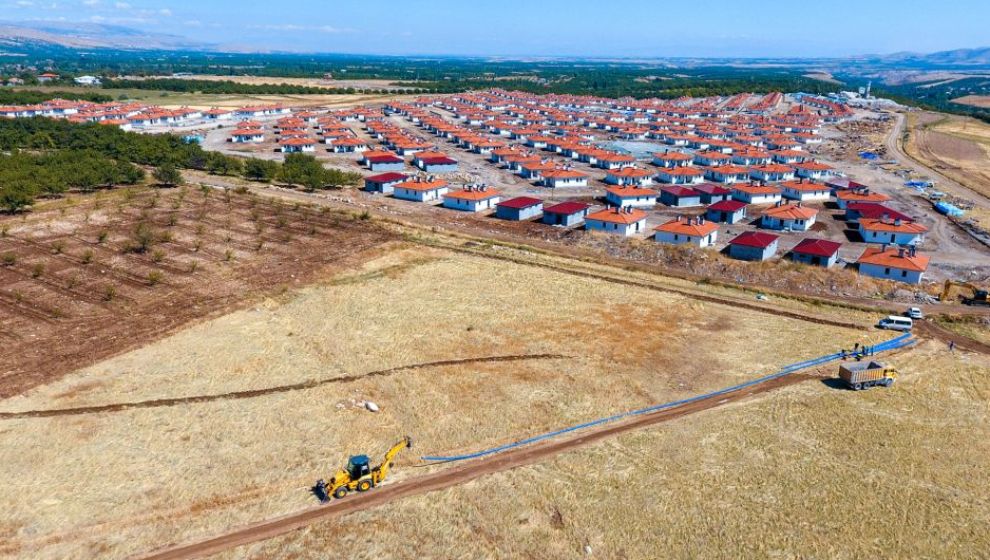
x: 728, y: 211
x: 805, y: 191
x: 698, y: 232
x: 873, y: 210
x: 384, y: 182
x: 844, y: 198
x: 756, y: 194
x: 420, y: 190
x: 555, y: 178
x: 637, y: 197
x: 891, y: 230
x: 771, y: 172
x: 680, y: 197
x: 296, y: 145
x: 247, y: 136
x: 519, y: 208
x: 818, y: 252
x: 753, y: 246
x: 629, y: 176
x: 684, y: 175
x: 565, y: 214
x: 812, y: 170
x: 672, y: 159
x: 790, y: 216
x: 473, y: 198
x: 897, y: 263
x: 728, y: 174
x: 622, y: 221
x: 712, y: 193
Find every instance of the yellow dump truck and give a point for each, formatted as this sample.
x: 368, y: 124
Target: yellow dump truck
x: 863, y: 375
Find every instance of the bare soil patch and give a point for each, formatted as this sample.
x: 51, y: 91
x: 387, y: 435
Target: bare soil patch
x: 77, y: 288
x: 974, y: 100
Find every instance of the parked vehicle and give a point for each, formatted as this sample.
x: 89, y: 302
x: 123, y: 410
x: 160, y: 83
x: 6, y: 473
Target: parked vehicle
x: 863, y: 375
x: 896, y: 323
x: 915, y: 313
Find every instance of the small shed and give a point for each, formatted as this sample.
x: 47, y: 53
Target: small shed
x: 727, y: 211
x: 565, y: 214
x: 753, y: 246
x: 519, y: 208
x: 817, y: 252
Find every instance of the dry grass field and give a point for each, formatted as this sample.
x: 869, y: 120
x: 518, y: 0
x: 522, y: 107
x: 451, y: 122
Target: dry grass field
x: 111, y: 484
x: 974, y: 100
x: 805, y: 472
x: 959, y: 147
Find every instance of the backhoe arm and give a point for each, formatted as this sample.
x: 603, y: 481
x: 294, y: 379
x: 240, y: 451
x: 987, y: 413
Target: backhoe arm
x: 386, y: 465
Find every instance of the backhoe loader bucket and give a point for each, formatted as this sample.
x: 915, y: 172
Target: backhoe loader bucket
x: 320, y: 491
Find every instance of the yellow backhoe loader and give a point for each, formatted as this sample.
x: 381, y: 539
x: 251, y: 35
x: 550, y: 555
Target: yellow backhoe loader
x: 979, y: 295
x: 358, y: 475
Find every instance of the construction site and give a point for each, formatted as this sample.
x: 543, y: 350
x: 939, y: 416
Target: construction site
x: 272, y: 303
x: 225, y: 415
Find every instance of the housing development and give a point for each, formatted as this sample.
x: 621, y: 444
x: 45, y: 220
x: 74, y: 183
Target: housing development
x: 257, y: 303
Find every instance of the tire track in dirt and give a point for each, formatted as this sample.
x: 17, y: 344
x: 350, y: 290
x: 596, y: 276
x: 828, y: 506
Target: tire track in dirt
x: 253, y: 393
x: 463, y: 473
x: 933, y: 331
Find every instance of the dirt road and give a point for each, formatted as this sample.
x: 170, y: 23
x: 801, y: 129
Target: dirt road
x: 460, y: 474
x: 944, y: 183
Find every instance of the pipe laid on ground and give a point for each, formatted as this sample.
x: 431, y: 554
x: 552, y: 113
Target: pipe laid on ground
x: 892, y: 344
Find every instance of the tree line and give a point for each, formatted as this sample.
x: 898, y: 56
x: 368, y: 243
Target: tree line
x: 221, y: 87
x: 50, y: 156
x: 26, y: 176
x: 32, y: 97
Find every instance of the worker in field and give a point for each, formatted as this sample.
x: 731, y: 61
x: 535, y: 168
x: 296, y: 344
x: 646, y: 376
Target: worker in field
x: 952, y: 346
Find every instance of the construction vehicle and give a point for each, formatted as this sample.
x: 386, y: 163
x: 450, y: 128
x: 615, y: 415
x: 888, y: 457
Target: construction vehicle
x: 358, y: 475
x: 863, y: 375
x: 979, y: 297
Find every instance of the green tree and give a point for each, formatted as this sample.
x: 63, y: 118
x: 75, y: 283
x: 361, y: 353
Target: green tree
x: 168, y: 175
x: 261, y: 170
x: 14, y: 198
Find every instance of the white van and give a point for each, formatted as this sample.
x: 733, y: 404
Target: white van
x: 895, y: 323
x: 915, y: 313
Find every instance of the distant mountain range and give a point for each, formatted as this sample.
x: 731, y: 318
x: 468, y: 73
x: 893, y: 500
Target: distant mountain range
x: 23, y: 37
x: 957, y: 57
x: 16, y: 36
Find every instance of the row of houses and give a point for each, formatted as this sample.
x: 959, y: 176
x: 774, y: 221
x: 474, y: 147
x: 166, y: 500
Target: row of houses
x: 889, y: 262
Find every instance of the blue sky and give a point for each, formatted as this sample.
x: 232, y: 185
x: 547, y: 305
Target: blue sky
x: 602, y: 28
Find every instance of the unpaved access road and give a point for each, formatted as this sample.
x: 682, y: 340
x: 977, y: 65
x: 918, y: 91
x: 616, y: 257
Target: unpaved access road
x: 463, y: 473
x: 944, y: 182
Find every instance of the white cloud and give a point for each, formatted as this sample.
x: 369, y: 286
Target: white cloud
x: 91, y: 2
x: 122, y: 6
x: 25, y: 3
x: 165, y: 12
